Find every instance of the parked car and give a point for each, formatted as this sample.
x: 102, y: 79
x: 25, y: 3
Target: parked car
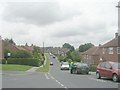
x: 51, y: 63
x: 109, y: 70
x: 80, y: 68
x: 65, y: 66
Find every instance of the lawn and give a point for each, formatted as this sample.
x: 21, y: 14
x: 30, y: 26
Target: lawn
x: 14, y: 67
x: 45, y: 68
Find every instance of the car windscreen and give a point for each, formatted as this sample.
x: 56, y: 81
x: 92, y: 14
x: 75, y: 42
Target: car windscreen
x: 82, y: 65
x: 65, y: 64
x: 116, y: 65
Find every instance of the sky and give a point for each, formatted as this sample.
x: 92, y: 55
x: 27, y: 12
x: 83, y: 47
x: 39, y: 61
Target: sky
x: 56, y: 22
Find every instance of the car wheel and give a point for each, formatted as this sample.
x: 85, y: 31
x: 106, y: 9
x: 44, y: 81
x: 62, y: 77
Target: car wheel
x: 115, y: 77
x: 87, y: 72
x: 98, y: 75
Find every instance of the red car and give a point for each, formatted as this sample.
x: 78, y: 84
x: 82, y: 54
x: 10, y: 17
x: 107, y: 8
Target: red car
x: 109, y: 70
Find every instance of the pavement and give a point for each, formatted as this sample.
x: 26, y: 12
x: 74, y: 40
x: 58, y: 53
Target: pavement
x: 33, y: 69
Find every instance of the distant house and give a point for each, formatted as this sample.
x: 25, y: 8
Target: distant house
x: 91, y: 56
x: 56, y: 50
x: 109, y: 51
x: 10, y: 46
x: 27, y: 48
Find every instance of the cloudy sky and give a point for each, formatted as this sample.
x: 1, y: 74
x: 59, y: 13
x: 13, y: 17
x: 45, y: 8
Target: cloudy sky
x: 58, y: 21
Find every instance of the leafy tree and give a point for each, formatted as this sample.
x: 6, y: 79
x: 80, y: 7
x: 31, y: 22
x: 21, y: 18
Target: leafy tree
x: 67, y: 45
x: 6, y: 51
x: 75, y: 56
x: 9, y: 41
x: 85, y: 47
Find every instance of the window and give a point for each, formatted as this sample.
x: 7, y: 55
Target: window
x: 118, y: 50
x: 102, y: 65
x: 110, y: 50
x: 103, y: 50
x: 107, y: 65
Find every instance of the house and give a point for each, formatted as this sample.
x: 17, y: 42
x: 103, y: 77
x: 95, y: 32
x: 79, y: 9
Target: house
x: 55, y: 50
x: 109, y: 51
x: 91, y: 56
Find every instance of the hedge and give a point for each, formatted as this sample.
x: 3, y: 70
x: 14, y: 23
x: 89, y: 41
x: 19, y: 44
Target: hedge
x: 23, y: 61
x: 2, y: 61
x: 93, y: 68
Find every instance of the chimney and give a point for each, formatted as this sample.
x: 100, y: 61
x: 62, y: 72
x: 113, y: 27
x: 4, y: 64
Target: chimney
x: 100, y: 45
x: 116, y: 35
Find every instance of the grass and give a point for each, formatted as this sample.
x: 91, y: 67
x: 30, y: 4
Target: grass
x: 45, y: 68
x: 14, y: 67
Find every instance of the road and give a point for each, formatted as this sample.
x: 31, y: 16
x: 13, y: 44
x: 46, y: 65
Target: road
x: 55, y: 78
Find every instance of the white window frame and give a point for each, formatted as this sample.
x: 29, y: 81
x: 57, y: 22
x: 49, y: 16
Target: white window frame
x: 103, y: 50
x: 118, y: 50
x: 110, y: 50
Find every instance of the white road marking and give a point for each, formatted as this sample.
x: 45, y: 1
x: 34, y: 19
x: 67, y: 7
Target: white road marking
x: 57, y: 81
x: 46, y: 76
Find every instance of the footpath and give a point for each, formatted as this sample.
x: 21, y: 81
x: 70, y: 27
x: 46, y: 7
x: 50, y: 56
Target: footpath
x: 33, y: 69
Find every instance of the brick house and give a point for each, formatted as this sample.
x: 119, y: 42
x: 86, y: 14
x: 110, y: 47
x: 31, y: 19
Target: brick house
x: 109, y: 51
x: 91, y: 56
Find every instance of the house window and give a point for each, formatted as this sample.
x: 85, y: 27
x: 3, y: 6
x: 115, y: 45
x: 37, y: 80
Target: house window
x: 110, y: 50
x: 103, y: 50
x: 118, y: 50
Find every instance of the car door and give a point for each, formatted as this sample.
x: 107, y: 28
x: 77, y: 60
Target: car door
x: 102, y: 69
x: 108, y: 70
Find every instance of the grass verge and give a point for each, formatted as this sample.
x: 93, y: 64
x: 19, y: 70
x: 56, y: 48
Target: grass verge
x: 14, y: 67
x: 45, y: 68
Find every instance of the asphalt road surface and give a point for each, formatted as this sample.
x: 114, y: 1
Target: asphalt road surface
x: 55, y: 78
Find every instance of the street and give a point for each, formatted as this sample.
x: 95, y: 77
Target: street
x: 55, y: 78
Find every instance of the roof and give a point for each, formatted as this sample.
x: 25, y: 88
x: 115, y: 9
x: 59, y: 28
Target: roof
x: 112, y: 43
x: 21, y: 48
x: 92, y: 51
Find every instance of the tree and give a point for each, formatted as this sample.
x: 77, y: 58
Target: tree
x: 67, y: 45
x: 11, y: 41
x: 85, y: 47
x: 75, y: 56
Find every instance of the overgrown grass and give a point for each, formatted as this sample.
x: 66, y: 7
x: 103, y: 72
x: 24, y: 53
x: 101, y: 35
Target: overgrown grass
x: 45, y: 68
x: 13, y: 67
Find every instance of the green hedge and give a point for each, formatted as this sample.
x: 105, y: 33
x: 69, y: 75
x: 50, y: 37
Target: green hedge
x: 24, y: 61
x: 93, y: 68
x: 2, y: 61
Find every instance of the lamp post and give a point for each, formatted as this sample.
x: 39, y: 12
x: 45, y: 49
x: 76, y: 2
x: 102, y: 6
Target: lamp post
x: 118, y: 28
x: 118, y: 18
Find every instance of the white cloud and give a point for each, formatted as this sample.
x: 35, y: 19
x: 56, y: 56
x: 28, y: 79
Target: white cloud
x: 59, y: 21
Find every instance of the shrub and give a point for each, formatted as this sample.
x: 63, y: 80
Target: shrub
x: 2, y: 61
x: 93, y: 68
x: 21, y: 54
x: 24, y: 61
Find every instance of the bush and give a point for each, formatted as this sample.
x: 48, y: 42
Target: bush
x: 93, y: 68
x: 21, y: 54
x: 24, y: 61
x: 2, y: 61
